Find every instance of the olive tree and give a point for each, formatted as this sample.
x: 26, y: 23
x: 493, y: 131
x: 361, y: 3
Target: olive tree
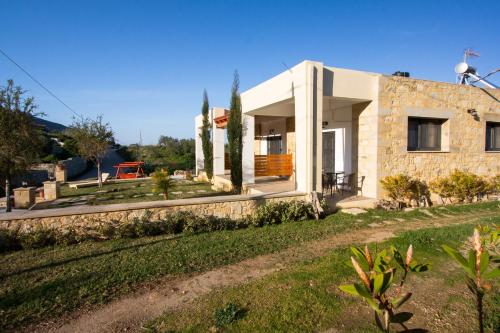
x: 92, y: 136
x: 20, y: 137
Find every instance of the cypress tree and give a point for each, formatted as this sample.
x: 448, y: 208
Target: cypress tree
x: 234, y: 135
x: 205, y: 138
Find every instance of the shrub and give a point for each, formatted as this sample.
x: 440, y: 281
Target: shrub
x: 494, y: 185
x: 463, y: 186
x: 403, y: 189
x: 38, y: 238
x: 442, y: 187
x: 228, y: 314
x: 8, y: 241
x: 282, y: 212
x: 140, y: 226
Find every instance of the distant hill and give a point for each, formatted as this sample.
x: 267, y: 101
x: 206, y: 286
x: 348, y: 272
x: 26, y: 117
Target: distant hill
x: 49, y: 125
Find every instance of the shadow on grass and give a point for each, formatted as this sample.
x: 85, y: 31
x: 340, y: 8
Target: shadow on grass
x: 90, y: 255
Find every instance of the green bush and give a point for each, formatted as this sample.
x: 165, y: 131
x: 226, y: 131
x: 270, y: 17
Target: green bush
x: 404, y: 190
x: 281, y: 212
x: 228, y: 314
x: 41, y: 237
x: 462, y: 186
x: 8, y: 241
x: 175, y: 223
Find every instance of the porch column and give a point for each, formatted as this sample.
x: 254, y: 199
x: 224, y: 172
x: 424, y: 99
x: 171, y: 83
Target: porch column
x: 200, y: 160
x: 218, y: 149
x: 308, y: 93
x: 248, y: 149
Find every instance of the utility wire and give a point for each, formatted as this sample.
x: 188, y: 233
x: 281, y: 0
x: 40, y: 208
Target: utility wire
x: 39, y: 83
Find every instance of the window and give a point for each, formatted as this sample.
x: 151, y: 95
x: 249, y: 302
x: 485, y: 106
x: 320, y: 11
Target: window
x: 492, y: 136
x: 274, y: 144
x: 424, y: 134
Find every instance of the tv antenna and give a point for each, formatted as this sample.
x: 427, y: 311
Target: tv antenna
x: 468, y: 75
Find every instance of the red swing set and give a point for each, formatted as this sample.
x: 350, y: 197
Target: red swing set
x: 129, y: 170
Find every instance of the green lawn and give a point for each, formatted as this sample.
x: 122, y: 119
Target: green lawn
x: 305, y: 297
x: 136, y: 191
x: 37, y: 285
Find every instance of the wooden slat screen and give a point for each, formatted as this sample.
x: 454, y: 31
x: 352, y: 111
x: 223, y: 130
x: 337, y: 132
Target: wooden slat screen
x: 227, y: 162
x: 273, y: 165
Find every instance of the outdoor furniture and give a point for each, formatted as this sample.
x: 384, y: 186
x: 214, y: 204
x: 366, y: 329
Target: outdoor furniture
x: 349, y: 183
x: 328, y: 182
x: 128, y: 170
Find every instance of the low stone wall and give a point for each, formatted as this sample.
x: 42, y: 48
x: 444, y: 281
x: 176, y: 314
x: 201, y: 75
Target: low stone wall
x: 233, y: 206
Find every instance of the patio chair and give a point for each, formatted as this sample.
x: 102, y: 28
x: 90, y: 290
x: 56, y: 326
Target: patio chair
x: 328, y: 183
x: 349, y: 183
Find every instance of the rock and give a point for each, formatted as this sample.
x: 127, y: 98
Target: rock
x: 353, y: 211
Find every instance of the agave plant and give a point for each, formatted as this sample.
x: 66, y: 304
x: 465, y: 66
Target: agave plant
x: 377, y: 276
x: 476, y: 266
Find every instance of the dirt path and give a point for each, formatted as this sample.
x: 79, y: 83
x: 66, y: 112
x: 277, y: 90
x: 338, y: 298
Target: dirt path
x: 129, y: 313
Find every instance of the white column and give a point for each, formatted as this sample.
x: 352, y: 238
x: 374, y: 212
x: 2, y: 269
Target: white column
x: 248, y: 149
x: 200, y: 161
x: 218, y: 149
x: 308, y: 93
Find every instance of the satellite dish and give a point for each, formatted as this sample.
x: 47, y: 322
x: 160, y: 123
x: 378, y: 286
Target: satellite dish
x: 461, y: 68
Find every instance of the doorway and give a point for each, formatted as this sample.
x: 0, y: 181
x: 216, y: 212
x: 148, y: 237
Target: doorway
x: 328, y: 151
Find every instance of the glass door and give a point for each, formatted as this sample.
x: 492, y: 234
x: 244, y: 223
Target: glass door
x: 328, y: 151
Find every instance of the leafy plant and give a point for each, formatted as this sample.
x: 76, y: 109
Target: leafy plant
x: 161, y: 182
x: 476, y: 266
x: 228, y: 314
x: 281, y: 212
x: 377, y: 274
x: 442, y: 187
x: 404, y: 189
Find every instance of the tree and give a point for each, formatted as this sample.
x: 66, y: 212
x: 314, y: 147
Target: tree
x: 92, y: 138
x: 205, y: 138
x: 20, y: 137
x: 234, y: 135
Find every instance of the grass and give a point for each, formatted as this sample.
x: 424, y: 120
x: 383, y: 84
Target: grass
x: 36, y: 285
x: 305, y: 298
x: 136, y: 191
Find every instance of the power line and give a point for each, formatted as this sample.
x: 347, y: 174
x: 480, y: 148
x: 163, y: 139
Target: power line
x: 39, y: 83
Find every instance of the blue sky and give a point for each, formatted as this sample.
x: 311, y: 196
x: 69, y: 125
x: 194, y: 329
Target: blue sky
x: 143, y: 65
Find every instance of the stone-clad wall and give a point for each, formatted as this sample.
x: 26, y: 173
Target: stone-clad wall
x: 463, y: 137
x: 91, y: 216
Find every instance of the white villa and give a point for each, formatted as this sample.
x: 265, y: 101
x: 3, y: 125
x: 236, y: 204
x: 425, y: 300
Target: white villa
x: 314, y: 120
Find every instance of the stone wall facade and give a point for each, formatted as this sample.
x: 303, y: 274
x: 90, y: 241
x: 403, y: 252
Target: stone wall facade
x: 233, y: 207
x: 463, y: 137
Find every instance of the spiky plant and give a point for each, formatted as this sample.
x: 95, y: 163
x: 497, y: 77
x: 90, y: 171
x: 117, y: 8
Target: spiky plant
x: 377, y: 275
x: 161, y: 182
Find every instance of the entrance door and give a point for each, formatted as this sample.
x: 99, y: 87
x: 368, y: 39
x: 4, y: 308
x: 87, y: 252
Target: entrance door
x: 329, y: 151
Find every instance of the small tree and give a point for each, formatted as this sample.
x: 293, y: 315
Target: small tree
x: 476, y: 266
x: 93, y: 138
x: 205, y: 138
x: 234, y: 136
x: 20, y: 137
x: 161, y: 182
x: 377, y: 276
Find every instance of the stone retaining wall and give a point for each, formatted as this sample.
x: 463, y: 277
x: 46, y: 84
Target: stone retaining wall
x: 91, y: 216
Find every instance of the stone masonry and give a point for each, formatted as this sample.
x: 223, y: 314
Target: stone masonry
x: 90, y: 216
x: 463, y: 137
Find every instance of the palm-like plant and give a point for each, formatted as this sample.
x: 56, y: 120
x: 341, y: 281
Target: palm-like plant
x: 161, y: 182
